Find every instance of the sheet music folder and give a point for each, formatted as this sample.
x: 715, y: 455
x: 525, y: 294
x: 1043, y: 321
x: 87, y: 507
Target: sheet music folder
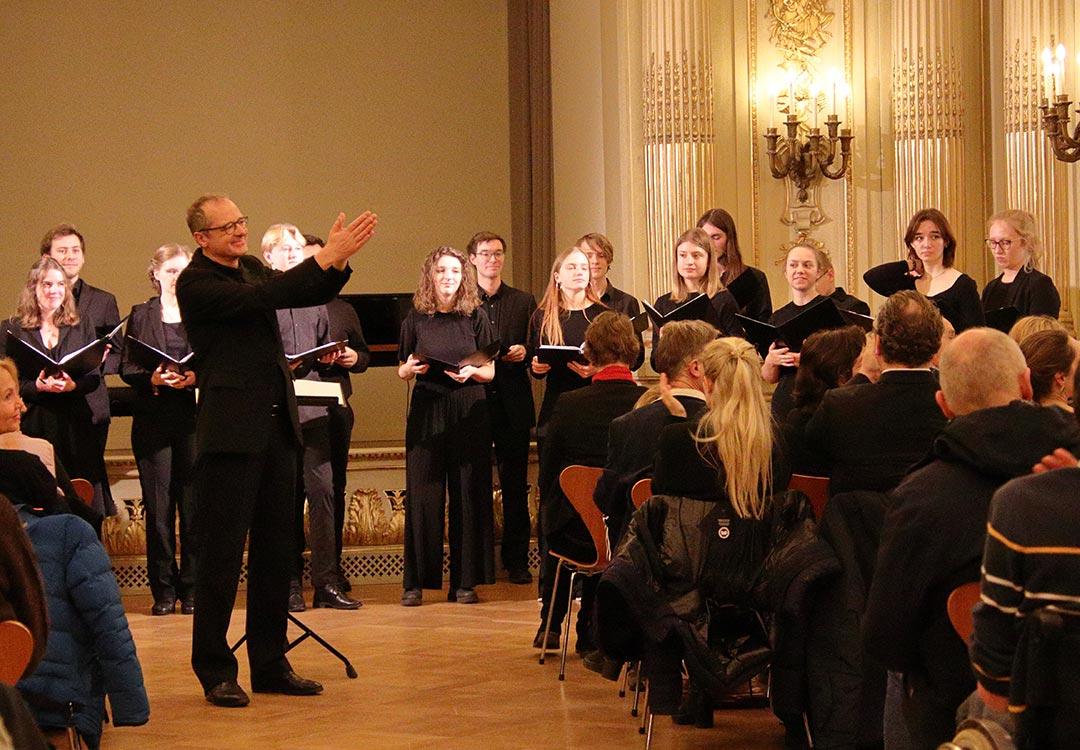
x: 818, y: 316
x: 150, y: 358
x: 31, y: 360
x: 695, y: 308
x: 479, y: 358
x: 553, y: 355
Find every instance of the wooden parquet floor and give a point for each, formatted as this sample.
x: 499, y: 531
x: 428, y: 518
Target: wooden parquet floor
x: 442, y: 676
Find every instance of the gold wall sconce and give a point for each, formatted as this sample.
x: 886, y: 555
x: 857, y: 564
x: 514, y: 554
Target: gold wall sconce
x: 803, y: 158
x: 1055, y: 106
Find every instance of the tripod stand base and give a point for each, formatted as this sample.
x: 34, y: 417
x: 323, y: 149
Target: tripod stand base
x: 350, y: 670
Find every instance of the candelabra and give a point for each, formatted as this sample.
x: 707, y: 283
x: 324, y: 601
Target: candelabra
x: 1055, y: 121
x: 804, y: 159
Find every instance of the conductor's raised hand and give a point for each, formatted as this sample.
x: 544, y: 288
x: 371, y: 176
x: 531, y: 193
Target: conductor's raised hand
x: 344, y: 240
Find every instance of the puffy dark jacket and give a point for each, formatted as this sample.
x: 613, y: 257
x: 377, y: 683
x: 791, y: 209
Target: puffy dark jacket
x: 90, y: 651
x: 683, y: 556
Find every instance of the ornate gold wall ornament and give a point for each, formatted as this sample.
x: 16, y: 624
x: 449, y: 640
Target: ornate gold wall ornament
x: 677, y: 100
x: 799, y: 29
x: 928, y: 97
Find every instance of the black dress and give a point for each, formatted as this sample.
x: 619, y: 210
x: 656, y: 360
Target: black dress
x: 447, y: 446
x: 65, y: 419
x: 751, y: 291
x: 560, y: 379
x: 163, y: 441
x: 1031, y: 293
x: 783, y: 398
x: 959, y: 304
x: 720, y: 314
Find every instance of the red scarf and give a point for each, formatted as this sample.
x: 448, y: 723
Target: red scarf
x: 613, y: 372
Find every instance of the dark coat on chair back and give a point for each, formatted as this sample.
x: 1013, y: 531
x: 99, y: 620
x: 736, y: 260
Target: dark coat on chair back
x: 230, y: 319
x: 90, y: 653
x: 933, y: 542
x: 577, y: 434
x: 869, y: 436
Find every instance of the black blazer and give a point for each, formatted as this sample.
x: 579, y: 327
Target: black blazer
x: 632, y: 440
x: 345, y: 326
x: 99, y: 307
x: 627, y: 304
x: 577, y: 434
x: 169, y: 408
x: 229, y: 314
x: 869, y: 436
x: 1031, y: 292
x: 509, y: 311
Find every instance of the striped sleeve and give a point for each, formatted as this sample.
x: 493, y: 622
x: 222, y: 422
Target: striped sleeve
x: 997, y: 616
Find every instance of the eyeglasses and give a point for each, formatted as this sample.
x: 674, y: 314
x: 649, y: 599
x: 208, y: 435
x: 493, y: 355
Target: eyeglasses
x: 229, y: 228
x: 489, y: 255
x: 995, y: 244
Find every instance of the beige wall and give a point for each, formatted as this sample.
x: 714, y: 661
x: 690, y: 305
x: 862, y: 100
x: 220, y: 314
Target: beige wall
x: 119, y: 114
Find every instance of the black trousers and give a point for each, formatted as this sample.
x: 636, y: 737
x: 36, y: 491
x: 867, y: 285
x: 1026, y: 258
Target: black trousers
x: 341, y: 426
x: 165, y: 464
x: 235, y: 493
x: 512, y: 463
x: 572, y: 541
x: 448, y: 453
x: 316, y: 484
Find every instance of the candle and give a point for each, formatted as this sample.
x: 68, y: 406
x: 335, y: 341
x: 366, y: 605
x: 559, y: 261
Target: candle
x: 834, y: 75
x: 1048, y: 73
x: 1059, y: 53
x: 813, y: 101
x: 791, y: 91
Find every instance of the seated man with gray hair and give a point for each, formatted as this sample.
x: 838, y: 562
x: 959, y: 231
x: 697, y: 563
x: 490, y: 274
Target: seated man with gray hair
x: 934, y: 532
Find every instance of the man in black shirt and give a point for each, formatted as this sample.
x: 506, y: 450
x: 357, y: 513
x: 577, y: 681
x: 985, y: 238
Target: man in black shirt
x: 509, y: 396
x: 601, y: 254
x: 826, y: 287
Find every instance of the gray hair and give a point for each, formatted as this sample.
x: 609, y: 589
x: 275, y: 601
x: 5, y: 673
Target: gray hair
x: 980, y: 369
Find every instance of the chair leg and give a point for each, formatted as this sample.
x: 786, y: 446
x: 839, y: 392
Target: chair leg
x: 566, y: 624
x: 648, y: 728
x: 625, y: 679
x: 637, y: 691
x: 547, y: 621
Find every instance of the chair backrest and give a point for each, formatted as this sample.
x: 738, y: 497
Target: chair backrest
x: 16, y: 647
x: 84, y: 490
x: 641, y: 491
x: 815, y: 488
x: 578, y: 484
x: 961, y: 601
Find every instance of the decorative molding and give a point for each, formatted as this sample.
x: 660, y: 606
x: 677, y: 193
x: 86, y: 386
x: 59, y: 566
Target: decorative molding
x: 928, y: 95
x: 677, y: 100
x: 849, y: 178
x: 755, y: 149
x: 799, y: 29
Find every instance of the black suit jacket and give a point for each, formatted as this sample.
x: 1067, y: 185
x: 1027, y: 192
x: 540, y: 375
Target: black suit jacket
x: 229, y: 314
x: 99, y: 307
x: 631, y: 449
x: 509, y: 311
x: 345, y: 326
x: 577, y: 434
x: 154, y: 411
x: 869, y: 436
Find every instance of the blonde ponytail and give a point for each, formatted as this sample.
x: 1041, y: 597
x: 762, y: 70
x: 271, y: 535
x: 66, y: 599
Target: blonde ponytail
x: 735, y: 434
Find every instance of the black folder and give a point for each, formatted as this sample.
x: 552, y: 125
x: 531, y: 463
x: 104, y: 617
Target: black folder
x: 818, y: 316
x: 865, y: 322
x: 553, y: 355
x: 695, y: 308
x: 150, y: 358
x: 743, y: 288
x: 1003, y: 318
x: 307, y: 359
x: 479, y: 358
x: 30, y: 360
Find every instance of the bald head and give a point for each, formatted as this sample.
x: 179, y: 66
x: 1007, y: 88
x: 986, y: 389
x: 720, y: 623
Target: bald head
x: 981, y: 368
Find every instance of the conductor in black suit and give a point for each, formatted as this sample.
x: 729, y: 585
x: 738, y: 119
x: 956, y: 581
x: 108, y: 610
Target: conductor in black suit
x: 247, y: 437
x: 870, y: 435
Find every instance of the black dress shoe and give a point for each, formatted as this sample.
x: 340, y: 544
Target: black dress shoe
x: 187, y: 605
x: 296, y: 597
x: 228, y: 695
x: 519, y: 575
x: 463, y: 596
x: 288, y: 683
x: 552, y: 639
x: 412, y: 597
x: 163, y: 607
x: 330, y: 597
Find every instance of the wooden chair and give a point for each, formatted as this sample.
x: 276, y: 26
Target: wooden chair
x: 641, y: 491
x: 815, y: 488
x: 16, y: 647
x: 84, y: 490
x: 578, y: 484
x: 959, y: 605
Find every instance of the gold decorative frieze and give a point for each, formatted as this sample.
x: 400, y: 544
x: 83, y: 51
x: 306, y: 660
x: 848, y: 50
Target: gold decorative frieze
x: 677, y: 99
x: 799, y: 29
x: 928, y: 95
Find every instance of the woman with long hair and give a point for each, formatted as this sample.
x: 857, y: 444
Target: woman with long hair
x: 747, y: 284
x: 1011, y: 238
x: 695, y: 268
x: 931, y: 252
x: 567, y: 308
x: 447, y: 433
x: 1052, y: 357
x: 57, y: 409
x: 163, y: 433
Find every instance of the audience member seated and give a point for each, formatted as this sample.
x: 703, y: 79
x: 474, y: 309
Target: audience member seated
x: 711, y: 539
x: 828, y: 359
x: 631, y: 441
x: 577, y: 434
x: 934, y: 532
x: 1030, y: 324
x: 1052, y: 357
x: 1031, y: 563
x: 22, y: 597
x: 868, y: 436
x: 90, y: 653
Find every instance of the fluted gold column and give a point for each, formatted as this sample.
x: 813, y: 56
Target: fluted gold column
x: 928, y: 111
x: 678, y: 126
x: 1035, y: 181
